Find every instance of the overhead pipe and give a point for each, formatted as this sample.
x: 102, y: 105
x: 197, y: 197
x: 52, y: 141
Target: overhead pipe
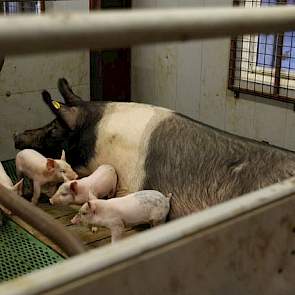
x: 111, y: 29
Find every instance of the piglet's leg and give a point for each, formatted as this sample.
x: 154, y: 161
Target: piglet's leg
x: 36, y: 193
x: 117, y: 231
x: 94, y: 229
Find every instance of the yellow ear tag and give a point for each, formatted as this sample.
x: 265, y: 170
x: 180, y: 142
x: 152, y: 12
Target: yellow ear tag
x: 56, y: 104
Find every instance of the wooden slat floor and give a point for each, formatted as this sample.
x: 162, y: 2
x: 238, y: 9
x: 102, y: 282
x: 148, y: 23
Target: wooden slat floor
x: 64, y: 216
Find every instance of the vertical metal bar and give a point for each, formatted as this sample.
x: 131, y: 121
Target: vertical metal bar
x: 278, y: 63
x: 278, y: 60
x: 232, y: 63
x: 232, y: 59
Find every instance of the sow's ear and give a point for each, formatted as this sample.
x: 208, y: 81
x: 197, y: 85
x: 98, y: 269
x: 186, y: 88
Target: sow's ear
x: 67, y: 93
x: 67, y: 114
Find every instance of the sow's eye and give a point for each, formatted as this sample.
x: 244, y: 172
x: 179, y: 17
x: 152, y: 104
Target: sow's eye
x: 62, y: 171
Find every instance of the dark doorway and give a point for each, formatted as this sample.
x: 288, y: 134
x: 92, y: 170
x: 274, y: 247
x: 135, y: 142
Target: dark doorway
x: 110, y: 69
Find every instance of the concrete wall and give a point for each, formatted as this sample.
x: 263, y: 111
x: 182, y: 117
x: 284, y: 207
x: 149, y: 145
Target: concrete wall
x: 191, y: 78
x: 23, y: 78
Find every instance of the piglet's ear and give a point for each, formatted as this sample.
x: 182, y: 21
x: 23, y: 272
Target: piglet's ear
x: 74, y: 187
x: 18, y: 187
x: 67, y: 114
x: 91, y: 207
x: 50, y: 164
x: 63, y: 155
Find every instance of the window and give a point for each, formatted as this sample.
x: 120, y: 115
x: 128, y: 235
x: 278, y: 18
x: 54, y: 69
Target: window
x: 13, y: 7
x: 262, y: 64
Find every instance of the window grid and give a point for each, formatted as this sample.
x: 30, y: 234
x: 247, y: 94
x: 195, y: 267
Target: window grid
x: 14, y: 7
x: 263, y: 65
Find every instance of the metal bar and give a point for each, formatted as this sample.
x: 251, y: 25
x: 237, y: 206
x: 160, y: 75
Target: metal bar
x: 41, y: 221
x: 233, y: 51
x: 278, y: 61
x: 232, y: 62
x: 101, y: 258
x: 113, y: 29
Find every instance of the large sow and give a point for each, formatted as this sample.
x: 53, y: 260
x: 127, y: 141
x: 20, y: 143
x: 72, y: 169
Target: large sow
x: 157, y: 149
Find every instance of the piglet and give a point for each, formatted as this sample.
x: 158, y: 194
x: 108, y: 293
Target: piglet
x: 42, y: 170
x: 6, y: 181
x: 141, y: 207
x: 102, y: 183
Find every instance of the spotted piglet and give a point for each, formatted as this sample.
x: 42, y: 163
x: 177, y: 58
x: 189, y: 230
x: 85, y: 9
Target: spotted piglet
x: 141, y: 207
x: 101, y: 183
x: 42, y: 170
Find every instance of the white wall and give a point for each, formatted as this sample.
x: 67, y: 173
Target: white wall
x: 191, y: 78
x: 24, y: 77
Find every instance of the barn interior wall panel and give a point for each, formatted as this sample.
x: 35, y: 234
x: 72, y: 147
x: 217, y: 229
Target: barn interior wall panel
x: 191, y: 78
x: 24, y: 77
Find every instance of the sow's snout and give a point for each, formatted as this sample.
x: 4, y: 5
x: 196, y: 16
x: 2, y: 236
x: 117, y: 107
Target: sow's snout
x: 47, y: 140
x: 24, y: 140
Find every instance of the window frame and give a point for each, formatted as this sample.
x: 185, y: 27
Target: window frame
x: 275, y: 82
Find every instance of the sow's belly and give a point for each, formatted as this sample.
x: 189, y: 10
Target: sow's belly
x: 124, y: 133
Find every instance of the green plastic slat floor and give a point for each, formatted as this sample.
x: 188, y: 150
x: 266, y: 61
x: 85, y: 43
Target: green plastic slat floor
x: 20, y: 252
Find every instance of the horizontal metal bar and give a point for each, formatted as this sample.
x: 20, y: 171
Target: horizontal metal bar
x: 111, y: 29
x: 99, y: 259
